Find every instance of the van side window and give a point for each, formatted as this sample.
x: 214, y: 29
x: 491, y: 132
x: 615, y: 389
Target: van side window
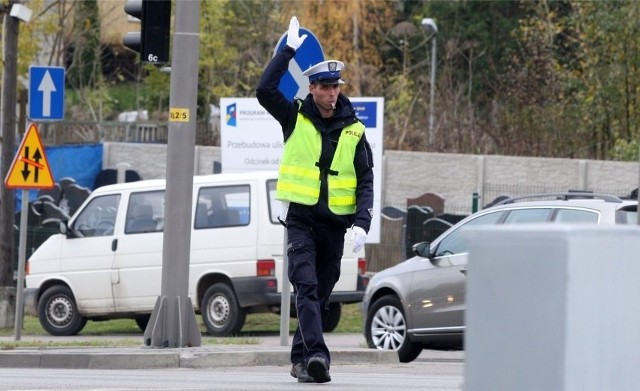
x: 145, y: 212
x: 223, y: 206
x: 98, y: 217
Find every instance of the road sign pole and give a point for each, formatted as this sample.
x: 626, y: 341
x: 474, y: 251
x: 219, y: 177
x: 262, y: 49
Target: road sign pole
x: 29, y: 170
x: 285, y: 300
x: 22, y: 249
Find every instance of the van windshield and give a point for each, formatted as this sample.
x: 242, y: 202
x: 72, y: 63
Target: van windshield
x: 98, y: 218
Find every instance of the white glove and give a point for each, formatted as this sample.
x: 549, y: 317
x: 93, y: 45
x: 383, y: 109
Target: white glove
x: 294, y: 40
x: 359, y: 236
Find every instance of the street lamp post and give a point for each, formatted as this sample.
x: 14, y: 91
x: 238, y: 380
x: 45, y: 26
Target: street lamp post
x: 430, y: 27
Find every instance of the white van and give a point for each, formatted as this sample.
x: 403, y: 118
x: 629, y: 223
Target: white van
x: 107, y: 261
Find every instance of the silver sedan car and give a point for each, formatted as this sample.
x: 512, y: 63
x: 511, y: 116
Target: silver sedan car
x: 420, y: 302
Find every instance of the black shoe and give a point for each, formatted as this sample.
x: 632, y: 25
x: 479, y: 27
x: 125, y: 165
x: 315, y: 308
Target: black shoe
x: 318, y: 369
x: 298, y: 371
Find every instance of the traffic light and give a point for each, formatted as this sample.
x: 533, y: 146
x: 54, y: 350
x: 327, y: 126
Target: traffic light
x: 152, y: 42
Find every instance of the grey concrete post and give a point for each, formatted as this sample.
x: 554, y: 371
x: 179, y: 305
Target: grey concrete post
x: 553, y: 308
x: 582, y: 174
x: 480, y: 181
x: 173, y: 322
x: 121, y: 171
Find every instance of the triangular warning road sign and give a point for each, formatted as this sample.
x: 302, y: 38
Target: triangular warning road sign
x: 30, y: 169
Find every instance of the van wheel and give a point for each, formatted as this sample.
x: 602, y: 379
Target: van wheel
x: 333, y: 318
x: 142, y: 321
x: 58, y: 312
x: 221, y: 312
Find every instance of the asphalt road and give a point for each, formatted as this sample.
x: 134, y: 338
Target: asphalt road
x: 419, y: 375
x: 261, y: 366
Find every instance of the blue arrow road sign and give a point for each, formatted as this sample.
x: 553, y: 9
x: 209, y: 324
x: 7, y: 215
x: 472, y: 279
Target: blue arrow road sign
x: 46, y: 93
x: 293, y: 84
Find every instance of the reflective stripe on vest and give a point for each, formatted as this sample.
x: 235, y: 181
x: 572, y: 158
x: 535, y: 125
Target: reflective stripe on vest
x: 299, y: 177
x: 342, y: 187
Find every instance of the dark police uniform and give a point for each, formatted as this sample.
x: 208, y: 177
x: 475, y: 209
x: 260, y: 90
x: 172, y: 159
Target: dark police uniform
x: 315, y: 234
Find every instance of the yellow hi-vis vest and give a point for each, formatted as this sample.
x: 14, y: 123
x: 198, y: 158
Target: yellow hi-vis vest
x: 299, y: 177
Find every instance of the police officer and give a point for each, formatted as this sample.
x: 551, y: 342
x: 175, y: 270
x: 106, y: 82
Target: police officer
x: 326, y: 181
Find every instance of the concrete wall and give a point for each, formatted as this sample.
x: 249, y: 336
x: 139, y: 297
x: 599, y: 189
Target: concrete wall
x: 150, y: 160
x: 454, y: 176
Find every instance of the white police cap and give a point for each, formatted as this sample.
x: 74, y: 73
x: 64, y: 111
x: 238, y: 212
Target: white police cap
x: 325, y: 72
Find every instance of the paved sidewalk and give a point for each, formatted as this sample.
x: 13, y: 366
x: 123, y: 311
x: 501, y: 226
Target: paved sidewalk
x: 345, y: 349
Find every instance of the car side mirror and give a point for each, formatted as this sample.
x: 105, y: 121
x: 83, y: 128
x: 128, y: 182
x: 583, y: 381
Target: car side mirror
x: 422, y: 249
x: 62, y: 226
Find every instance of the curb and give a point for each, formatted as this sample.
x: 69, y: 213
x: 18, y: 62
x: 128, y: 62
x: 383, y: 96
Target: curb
x: 174, y: 358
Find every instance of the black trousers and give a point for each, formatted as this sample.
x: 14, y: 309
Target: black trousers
x: 314, y: 255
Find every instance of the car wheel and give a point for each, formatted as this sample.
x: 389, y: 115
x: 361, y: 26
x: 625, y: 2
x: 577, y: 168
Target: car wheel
x: 386, y: 329
x: 333, y: 318
x: 221, y: 312
x: 58, y: 312
x: 142, y: 321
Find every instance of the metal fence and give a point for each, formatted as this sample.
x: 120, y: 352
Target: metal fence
x: 90, y: 132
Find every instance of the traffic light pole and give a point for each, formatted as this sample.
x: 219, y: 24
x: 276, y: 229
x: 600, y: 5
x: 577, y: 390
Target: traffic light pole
x: 173, y: 322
